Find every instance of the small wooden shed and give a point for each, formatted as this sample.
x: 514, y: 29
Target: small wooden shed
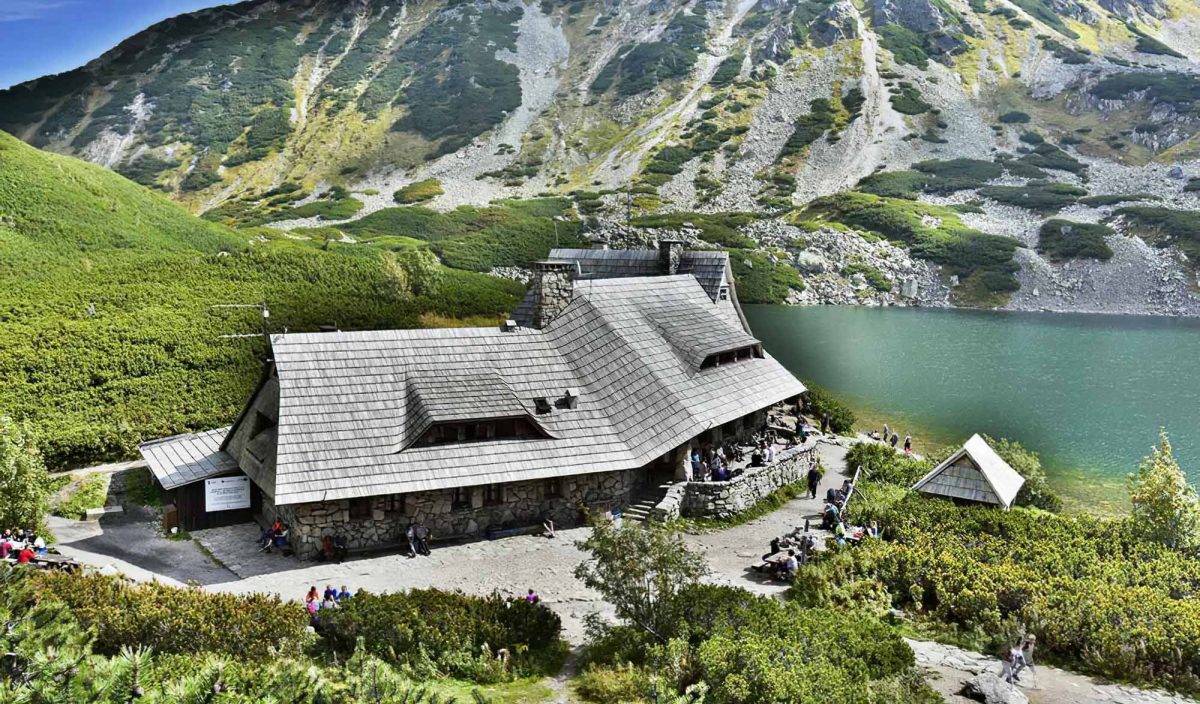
x: 975, y: 473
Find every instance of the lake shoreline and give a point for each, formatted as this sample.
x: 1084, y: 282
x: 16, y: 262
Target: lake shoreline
x: 1087, y: 391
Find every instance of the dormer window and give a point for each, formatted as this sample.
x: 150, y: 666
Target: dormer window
x: 520, y: 428
x: 741, y: 354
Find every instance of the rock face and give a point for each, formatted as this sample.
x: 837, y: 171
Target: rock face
x: 1130, y: 9
x: 990, y: 689
x: 845, y: 268
x: 838, y: 22
x: 918, y: 15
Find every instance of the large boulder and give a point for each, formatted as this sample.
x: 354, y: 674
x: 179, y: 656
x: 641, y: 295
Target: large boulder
x: 990, y: 689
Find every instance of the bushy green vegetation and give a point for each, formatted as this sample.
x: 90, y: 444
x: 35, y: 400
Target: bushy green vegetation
x: 1015, y: 117
x: 1038, y: 196
x: 71, y: 638
x: 110, y: 316
x: 507, y: 233
x: 810, y: 127
x: 1147, y: 44
x: 1048, y: 156
x: 983, y: 262
x: 1115, y: 199
x: 1066, y: 54
x: 1042, y: 11
x: 419, y: 192
x: 821, y: 403
x: 430, y: 632
x: 642, y: 67
x: 1106, y: 597
x: 905, y: 44
x: 728, y: 71
x: 1180, y: 90
x: 172, y: 620
x: 1164, y: 227
x: 932, y: 177
x: 874, y: 277
x: 715, y: 228
x: 88, y: 493
x: 907, y: 99
x: 1061, y: 240
x: 24, y: 482
x: 763, y: 277
x: 678, y: 637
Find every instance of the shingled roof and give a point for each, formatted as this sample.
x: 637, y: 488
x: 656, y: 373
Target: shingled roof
x: 184, y: 459
x: 709, y: 268
x: 974, y: 473
x: 346, y: 408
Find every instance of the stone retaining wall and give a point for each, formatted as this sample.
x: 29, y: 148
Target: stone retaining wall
x: 724, y: 499
x: 524, y: 504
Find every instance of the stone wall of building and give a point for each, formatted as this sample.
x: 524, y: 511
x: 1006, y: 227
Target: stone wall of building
x: 523, y: 504
x: 724, y: 499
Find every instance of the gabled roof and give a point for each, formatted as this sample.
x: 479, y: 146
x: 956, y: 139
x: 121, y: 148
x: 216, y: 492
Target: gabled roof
x: 345, y: 409
x: 987, y: 478
x: 709, y: 268
x: 185, y: 459
x: 459, y: 395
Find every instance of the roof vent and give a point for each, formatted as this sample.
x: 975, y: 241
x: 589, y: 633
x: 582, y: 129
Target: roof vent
x: 508, y: 326
x: 328, y: 328
x: 568, y: 400
x: 541, y: 405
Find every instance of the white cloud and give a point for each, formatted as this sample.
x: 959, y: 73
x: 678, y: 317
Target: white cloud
x: 22, y: 10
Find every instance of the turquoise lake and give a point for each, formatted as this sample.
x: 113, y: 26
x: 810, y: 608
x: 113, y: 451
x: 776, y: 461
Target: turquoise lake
x: 1088, y: 392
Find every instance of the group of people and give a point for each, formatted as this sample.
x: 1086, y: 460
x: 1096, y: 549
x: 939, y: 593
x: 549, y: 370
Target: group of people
x: 716, y: 463
x: 799, y: 545
x: 21, y: 546
x: 892, y: 438
x: 315, y: 602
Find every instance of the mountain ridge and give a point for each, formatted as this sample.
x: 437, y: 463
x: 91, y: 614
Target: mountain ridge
x: 315, y: 113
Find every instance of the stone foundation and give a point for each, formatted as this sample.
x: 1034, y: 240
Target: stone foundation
x: 724, y: 499
x: 523, y: 504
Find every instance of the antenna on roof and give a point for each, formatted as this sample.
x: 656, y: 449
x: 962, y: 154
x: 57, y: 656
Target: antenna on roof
x: 266, y: 331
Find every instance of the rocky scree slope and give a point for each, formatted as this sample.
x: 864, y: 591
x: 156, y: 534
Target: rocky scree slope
x: 1068, y: 126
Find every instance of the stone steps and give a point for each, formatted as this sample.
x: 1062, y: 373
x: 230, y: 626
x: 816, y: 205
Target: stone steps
x: 643, y: 505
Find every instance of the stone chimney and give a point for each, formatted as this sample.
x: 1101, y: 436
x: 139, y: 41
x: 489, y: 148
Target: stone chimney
x: 552, y: 290
x: 670, y: 253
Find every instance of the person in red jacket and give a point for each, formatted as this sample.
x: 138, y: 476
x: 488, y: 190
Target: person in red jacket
x: 25, y: 556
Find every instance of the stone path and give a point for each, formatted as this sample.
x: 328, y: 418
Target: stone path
x: 954, y: 666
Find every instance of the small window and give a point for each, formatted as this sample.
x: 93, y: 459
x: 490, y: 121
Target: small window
x: 724, y: 294
x: 396, y: 504
x: 493, y: 495
x: 462, y: 498
x: 360, y: 508
x: 552, y: 489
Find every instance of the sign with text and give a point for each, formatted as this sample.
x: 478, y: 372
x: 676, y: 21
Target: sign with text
x: 226, y: 493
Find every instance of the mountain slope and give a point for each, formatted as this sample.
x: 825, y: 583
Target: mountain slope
x: 108, y: 334
x: 313, y: 112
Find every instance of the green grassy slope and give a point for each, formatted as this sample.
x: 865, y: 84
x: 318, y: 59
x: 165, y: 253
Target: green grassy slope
x: 107, y: 336
x: 52, y: 206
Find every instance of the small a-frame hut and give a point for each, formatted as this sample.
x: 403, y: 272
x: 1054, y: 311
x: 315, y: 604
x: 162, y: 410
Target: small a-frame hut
x: 974, y: 473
